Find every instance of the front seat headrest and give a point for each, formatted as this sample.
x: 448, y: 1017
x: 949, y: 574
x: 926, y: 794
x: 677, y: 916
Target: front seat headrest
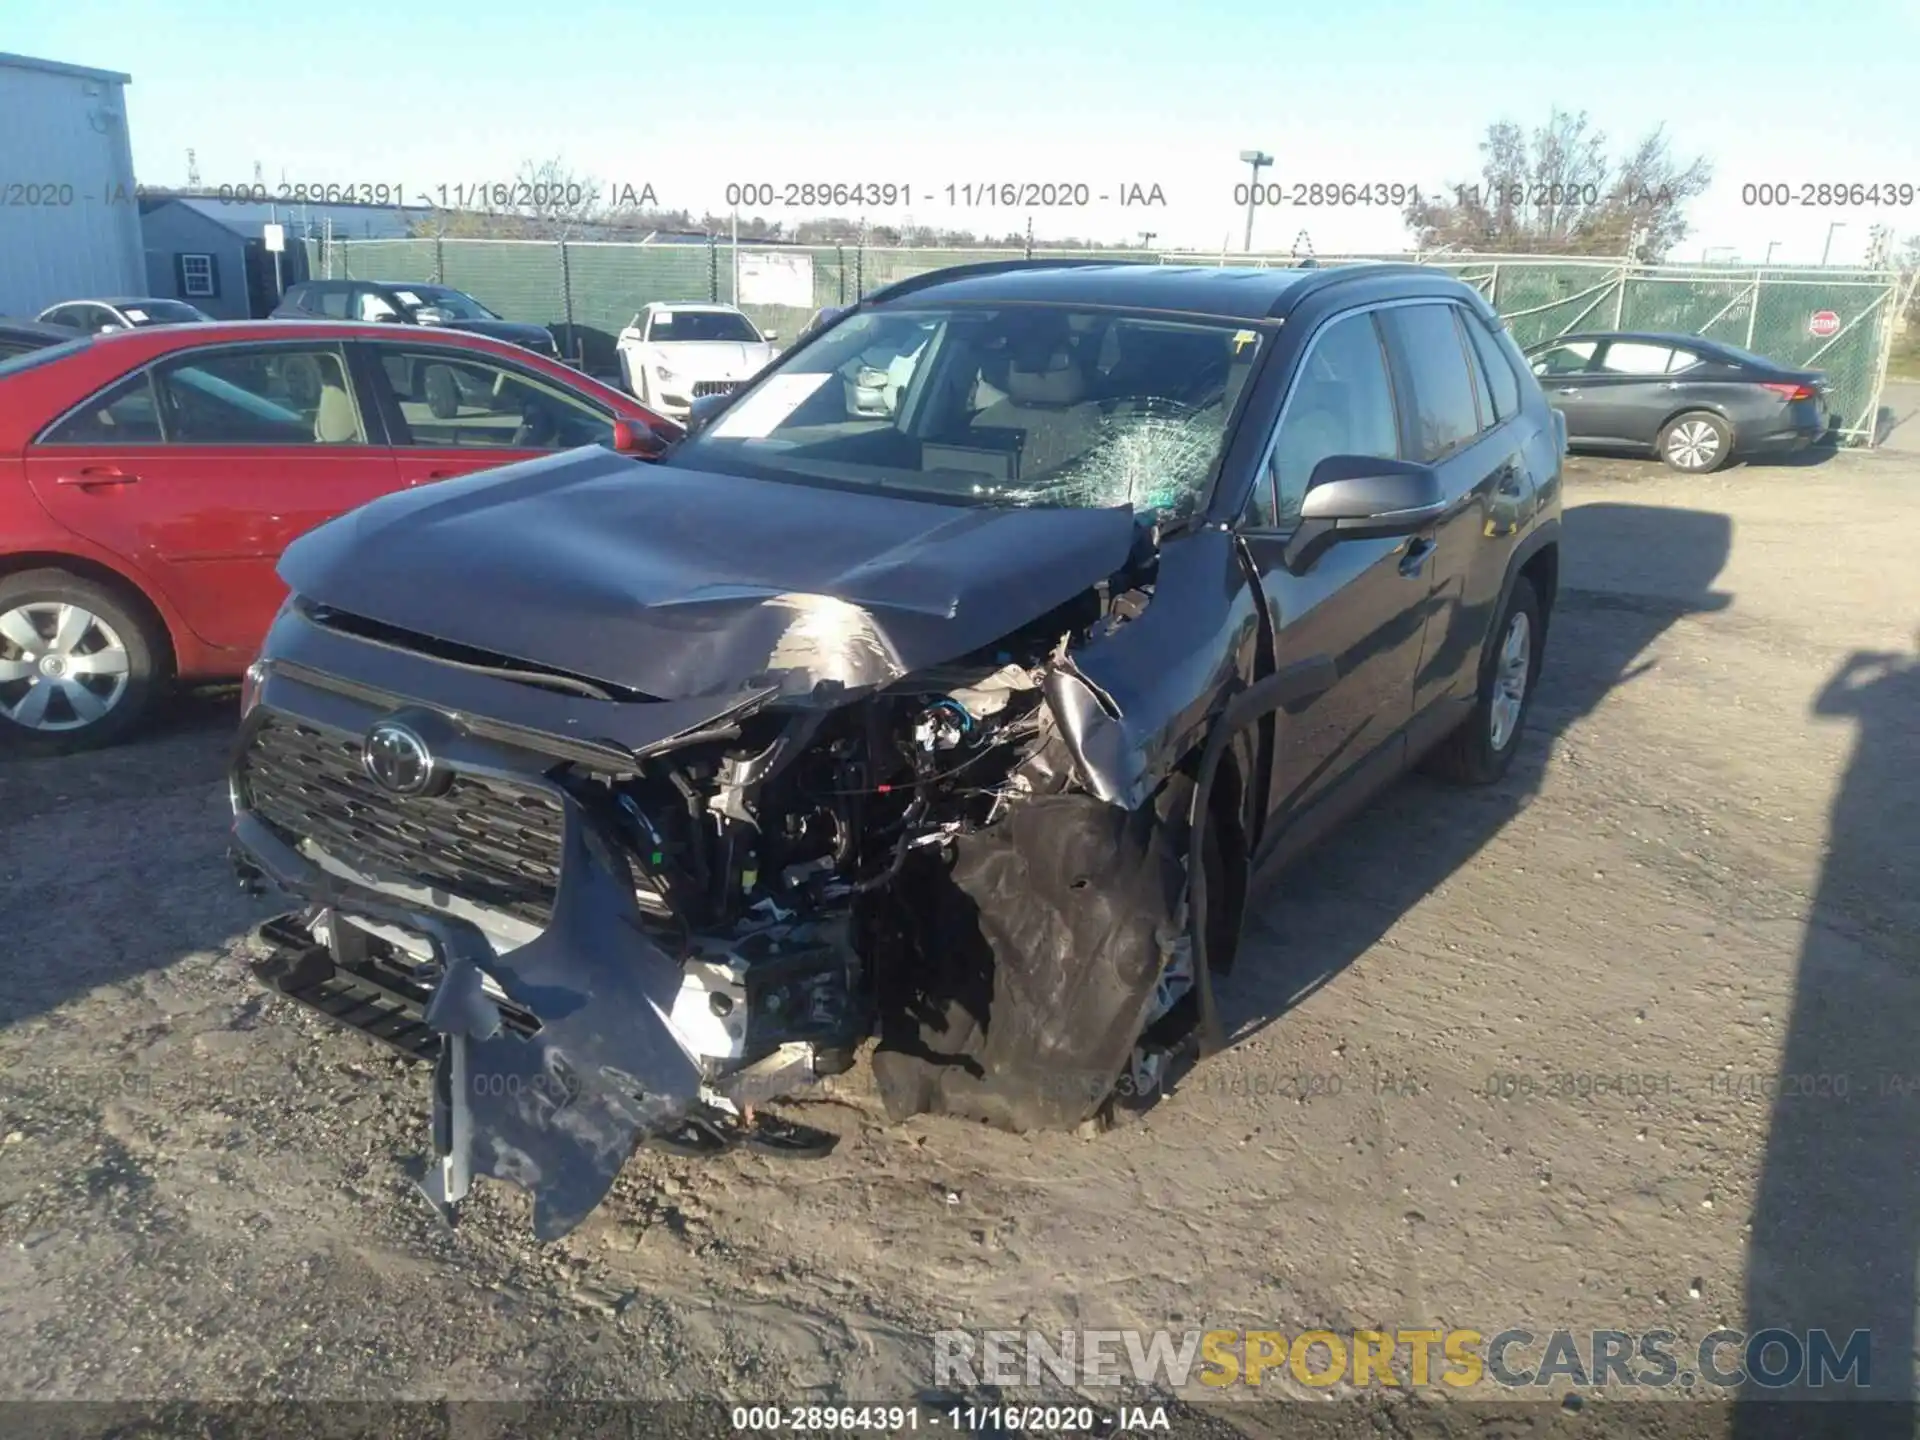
x: 1060, y: 382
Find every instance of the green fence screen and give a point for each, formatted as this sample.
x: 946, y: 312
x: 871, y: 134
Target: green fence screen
x: 1839, y: 321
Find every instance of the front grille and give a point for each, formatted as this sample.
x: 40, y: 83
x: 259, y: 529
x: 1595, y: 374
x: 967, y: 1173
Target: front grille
x: 488, y: 841
x: 712, y: 387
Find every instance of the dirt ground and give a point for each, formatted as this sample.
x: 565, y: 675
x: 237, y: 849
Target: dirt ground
x: 1700, y: 871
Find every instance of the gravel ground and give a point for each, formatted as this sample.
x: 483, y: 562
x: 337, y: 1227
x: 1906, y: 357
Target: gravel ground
x: 1700, y: 870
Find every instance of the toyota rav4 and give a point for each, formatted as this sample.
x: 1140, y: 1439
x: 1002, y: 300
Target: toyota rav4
x: 636, y: 798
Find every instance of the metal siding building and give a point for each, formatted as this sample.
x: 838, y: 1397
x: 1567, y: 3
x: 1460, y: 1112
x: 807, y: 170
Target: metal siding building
x: 69, y: 221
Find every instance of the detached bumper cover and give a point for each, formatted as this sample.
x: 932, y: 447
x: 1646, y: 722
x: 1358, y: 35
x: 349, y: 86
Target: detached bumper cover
x: 557, y: 1112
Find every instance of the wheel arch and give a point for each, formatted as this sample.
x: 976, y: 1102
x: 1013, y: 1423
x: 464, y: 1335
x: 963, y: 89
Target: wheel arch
x: 125, y: 587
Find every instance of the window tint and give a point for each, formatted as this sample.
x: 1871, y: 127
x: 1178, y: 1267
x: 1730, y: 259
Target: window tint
x: 1495, y: 368
x: 1569, y: 359
x: 1434, y: 363
x: 67, y: 315
x: 331, y: 303
x: 1682, y: 360
x: 123, y: 415
x: 1341, y: 404
x: 1630, y: 357
x: 274, y: 395
x: 448, y: 400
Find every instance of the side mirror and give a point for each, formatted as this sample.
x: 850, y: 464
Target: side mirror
x: 430, y: 315
x: 770, y: 335
x: 700, y: 414
x: 110, y: 327
x: 630, y: 437
x: 1362, y: 497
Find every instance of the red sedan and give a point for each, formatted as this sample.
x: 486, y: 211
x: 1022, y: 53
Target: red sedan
x: 149, y: 480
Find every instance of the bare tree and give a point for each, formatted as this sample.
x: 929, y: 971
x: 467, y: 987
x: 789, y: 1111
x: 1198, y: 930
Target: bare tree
x: 1558, y: 192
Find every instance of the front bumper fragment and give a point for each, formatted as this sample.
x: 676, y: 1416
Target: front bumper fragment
x: 553, y: 1092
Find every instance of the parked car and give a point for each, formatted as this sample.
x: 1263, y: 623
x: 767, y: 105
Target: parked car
x: 149, y: 480
x: 97, y: 317
x: 673, y: 354
x: 1698, y: 404
x: 19, y: 336
x: 397, y: 303
x: 636, y: 806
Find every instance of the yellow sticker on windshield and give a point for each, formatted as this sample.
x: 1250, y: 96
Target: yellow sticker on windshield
x: 1242, y: 339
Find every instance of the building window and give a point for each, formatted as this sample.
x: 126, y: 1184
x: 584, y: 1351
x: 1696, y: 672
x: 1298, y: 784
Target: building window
x: 196, y: 275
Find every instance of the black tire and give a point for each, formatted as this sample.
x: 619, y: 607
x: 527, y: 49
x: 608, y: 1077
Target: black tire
x: 62, y: 729
x: 1470, y: 755
x: 1685, y: 440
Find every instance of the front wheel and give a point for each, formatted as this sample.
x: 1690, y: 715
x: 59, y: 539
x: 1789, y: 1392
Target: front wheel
x: 1479, y: 752
x: 1697, y: 443
x: 79, y: 667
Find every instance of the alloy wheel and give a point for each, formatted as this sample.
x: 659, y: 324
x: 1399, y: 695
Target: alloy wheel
x: 62, y: 667
x: 1693, y: 445
x: 1510, y: 680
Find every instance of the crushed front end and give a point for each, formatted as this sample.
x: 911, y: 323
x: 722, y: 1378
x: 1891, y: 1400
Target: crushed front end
x: 607, y: 918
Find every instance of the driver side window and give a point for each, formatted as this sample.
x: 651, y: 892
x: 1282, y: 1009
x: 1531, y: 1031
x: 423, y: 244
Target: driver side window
x: 1341, y: 404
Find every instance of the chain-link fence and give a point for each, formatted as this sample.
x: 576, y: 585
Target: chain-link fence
x: 1839, y: 321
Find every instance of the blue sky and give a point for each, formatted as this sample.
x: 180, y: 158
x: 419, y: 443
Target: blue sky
x: 687, y: 97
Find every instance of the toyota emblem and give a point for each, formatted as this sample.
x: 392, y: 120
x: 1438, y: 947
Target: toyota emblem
x: 398, y: 759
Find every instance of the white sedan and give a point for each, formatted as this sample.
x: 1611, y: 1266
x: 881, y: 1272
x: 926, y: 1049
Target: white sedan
x: 673, y: 354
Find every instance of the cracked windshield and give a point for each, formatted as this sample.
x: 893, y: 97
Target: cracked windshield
x: 1015, y: 406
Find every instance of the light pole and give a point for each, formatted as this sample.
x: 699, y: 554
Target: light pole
x: 1772, y: 245
x: 1255, y: 159
x: 1828, y: 246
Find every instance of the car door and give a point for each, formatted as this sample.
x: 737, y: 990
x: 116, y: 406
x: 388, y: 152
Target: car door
x: 1361, y: 602
x: 1630, y: 391
x: 1563, y: 370
x: 451, y: 410
x: 1454, y: 424
x: 201, y: 468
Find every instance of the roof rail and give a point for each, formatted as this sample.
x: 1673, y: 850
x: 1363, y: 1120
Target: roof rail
x: 1323, y: 279
x: 980, y: 267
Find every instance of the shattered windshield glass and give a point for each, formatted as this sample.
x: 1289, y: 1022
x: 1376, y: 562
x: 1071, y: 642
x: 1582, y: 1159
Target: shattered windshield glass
x: 1028, y: 405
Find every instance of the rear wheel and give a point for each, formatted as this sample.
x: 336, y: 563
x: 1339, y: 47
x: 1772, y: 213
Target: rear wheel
x: 79, y: 665
x: 1697, y: 443
x: 1479, y: 752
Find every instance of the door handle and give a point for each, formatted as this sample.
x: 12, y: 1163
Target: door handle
x: 441, y: 474
x: 1415, y: 560
x: 92, y: 475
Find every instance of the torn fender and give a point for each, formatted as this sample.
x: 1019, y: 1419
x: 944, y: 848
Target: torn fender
x: 1133, y: 703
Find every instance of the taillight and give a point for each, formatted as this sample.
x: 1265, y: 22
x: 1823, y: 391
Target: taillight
x: 1790, y: 393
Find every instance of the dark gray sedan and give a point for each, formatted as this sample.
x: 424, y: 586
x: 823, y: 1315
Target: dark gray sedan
x: 1696, y: 403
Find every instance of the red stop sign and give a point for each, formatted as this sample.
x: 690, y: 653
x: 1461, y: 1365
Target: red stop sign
x: 1823, y: 323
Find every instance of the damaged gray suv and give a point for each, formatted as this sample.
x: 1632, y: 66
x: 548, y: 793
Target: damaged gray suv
x: 947, y: 687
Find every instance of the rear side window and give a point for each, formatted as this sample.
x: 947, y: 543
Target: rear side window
x: 1503, y: 386
x: 331, y: 303
x: 276, y: 395
x: 123, y: 415
x: 1633, y: 357
x: 1431, y: 357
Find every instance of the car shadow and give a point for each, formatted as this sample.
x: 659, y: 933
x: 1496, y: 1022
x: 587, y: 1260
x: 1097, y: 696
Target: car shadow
x: 1820, y: 452
x: 1336, y: 902
x: 1836, y: 1220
